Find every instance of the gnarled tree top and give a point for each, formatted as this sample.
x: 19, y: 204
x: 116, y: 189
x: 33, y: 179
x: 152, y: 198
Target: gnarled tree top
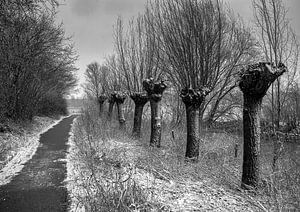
x: 255, y: 79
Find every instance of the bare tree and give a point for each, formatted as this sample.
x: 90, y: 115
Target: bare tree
x: 198, y: 38
x: 131, y: 51
x: 242, y: 52
x: 116, y: 89
x: 37, y: 62
x: 96, y: 86
x: 254, y: 83
x: 278, y: 43
x: 138, y: 58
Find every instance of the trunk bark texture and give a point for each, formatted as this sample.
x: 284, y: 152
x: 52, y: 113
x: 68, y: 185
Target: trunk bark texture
x: 101, y: 100
x: 119, y: 98
x: 251, y: 129
x: 193, y: 98
x: 111, y: 102
x: 139, y: 100
x: 254, y: 83
x: 193, y: 136
x: 155, y: 91
x: 155, y: 138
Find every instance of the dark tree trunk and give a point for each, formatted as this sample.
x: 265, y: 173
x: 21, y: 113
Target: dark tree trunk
x: 111, y: 104
x: 193, y: 98
x: 119, y: 98
x: 101, y: 100
x: 139, y: 100
x: 155, y: 137
x: 254, y: 83
x: 192, y: 131
x: 121, y: 117
x: 251, y: 129
x: 155, y: 91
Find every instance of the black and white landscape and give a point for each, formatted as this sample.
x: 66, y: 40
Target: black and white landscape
x: 149, y: 105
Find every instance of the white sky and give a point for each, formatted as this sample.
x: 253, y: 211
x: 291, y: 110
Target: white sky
x: 90, y: 22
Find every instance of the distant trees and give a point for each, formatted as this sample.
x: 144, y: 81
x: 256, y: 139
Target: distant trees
x: 36, y: 60
x: 131, y: 51
x: 138, y: 59
x: 96, y: 86
x: 116, y: 89
x: 278, y: 43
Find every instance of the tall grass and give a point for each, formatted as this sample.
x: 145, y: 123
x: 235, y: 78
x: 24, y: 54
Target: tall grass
x: 104, y: 177
x: 110, y: 165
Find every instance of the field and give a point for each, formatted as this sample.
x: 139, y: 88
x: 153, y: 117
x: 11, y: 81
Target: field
x: 112, y: 171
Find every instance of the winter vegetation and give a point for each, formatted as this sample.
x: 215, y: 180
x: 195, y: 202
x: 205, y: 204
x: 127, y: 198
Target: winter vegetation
x: 36, y: 71
x: 207, y: 113
x: 193, y: 111
x: 19, y: 145
x: 37, y: 60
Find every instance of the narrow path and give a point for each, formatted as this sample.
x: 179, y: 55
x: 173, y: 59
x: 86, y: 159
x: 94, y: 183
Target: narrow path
x: 39, y: 186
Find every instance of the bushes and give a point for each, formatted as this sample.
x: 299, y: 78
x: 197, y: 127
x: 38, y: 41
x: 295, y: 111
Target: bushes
x: 103, y: 176
x: 36, y: 60
x: 52, y: 105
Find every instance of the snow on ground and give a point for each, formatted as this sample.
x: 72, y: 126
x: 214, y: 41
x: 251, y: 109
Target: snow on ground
x: 72, y: 179
x: 182, y: 194
x: 21, y: 146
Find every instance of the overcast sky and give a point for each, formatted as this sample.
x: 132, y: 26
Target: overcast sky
x: 90, y: 22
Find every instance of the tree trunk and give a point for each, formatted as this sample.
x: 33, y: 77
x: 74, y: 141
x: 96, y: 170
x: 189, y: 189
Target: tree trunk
x: 101, y: 100
x: 254, y: 83
x: 139, y: 100
x: 101, y: 108
x: 119, y: 97
x: 155, y: 137
x: 193, y: 99
x: 251, y: 123
x: 278, y: 106
x: 110, y: 108
x: 121, y: 117
x: 193, y: 134
x: 155, y: 91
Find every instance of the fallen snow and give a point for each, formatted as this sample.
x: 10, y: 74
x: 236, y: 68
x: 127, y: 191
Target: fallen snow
x: 30, y: 143
x: 73, y: 178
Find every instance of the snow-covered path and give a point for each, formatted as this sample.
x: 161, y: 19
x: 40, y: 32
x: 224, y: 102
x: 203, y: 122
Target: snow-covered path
x: 39, y: 186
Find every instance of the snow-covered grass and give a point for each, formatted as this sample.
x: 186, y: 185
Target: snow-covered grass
x: 96, y: 180
x: 73, y: 180
x: 19, y: 145
x: 108, y: 166
x: 109, y: 171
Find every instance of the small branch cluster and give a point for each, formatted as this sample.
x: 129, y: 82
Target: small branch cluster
x: 194, y: 96
x: 257, y: 78
x: 154, y: 89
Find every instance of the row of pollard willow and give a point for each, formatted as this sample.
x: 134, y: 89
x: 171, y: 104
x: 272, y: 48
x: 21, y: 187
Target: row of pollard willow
x: 254, y: 82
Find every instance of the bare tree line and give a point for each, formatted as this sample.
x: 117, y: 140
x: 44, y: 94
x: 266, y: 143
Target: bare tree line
x: 202, y: 51
x: 36, y: 60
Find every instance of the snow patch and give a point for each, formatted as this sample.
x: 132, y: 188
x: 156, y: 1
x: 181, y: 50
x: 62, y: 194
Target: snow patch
x: 24, y: 154
x: 72, y: 173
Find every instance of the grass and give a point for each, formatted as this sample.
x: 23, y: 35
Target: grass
x: 118, y: 173
x: 19, y: 136
x: 104, y: 177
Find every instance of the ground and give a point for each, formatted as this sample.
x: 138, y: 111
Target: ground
x: 39, y: 186
x: 109, y: 169
x: 19, y: 144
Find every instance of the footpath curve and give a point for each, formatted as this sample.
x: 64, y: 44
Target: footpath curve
x: 39, y: 186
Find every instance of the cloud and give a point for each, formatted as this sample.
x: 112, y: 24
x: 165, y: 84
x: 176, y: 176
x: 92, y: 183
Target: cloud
x: 84, y: 7
x: 122, y: 6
